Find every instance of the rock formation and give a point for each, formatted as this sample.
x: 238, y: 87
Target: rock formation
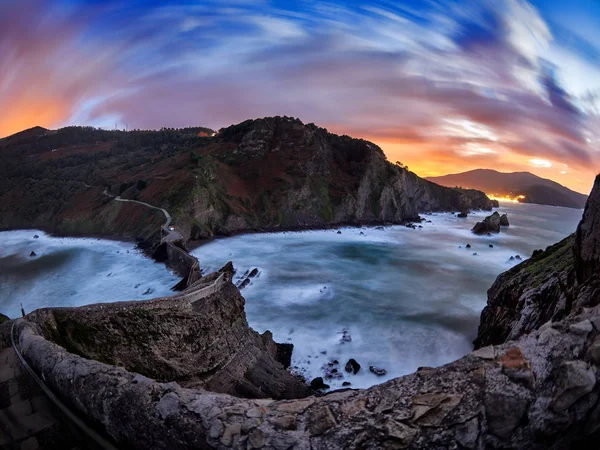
x: 199, y: 339
x: 491, y: 224
x: 504, y: 220
x: 532, y: 383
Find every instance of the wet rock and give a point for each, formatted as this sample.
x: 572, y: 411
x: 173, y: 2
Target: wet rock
x: 345, y: 337
x: 346, y: 384
x: 512, y: 258
x: 361, y: 233
x: 518, y: 257
x: 136, y: 286
x: 35, y: 236
x: 462, y: 215
x: 244, y: 283
x: 253, y: 273
x: 504, y: 220
x: 468, y: 246
x: 491, y: 245
x: 339, y: 232
x: 491, y: 224
x: 284, y: 354
x: 378, y: 371
x: 147, y: 292
x: 379, y: 228
x: 318, y: 384
x: 475, y: 254
x: 352, y: 366
x: 32, y: 253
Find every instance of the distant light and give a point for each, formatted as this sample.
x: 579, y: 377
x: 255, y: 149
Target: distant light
x: 507, y: 198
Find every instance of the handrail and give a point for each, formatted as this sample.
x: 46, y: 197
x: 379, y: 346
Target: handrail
x: 84, y: 428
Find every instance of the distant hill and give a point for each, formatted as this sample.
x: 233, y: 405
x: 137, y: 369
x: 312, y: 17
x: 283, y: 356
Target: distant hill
x: 535, y: 189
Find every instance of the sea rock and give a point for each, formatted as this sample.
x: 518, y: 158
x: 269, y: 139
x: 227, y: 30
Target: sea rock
x: 35, y: 236
x: 504, y: 220
x: 147, y: 292
x: 379, y: 371
x: 468, y: 246
x: 318, y: 384
x: 462, y: 215
x: 345, y: 337
x: 32, y: 253
x: 491, y: 245
x: 352, y: 366
x: 491, y: 224
x: 284, y: 354
x: 346, y: 384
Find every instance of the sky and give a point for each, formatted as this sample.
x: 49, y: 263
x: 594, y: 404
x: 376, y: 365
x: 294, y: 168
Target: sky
x: 443, y: 86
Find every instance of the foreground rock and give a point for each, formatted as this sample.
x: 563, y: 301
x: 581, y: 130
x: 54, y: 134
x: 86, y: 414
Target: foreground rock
x: 199, y: 339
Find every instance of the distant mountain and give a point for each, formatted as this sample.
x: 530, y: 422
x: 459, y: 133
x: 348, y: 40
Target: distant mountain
x: 535, y: 189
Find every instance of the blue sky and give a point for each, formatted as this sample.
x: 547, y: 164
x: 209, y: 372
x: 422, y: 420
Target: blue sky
x: 441, y: 85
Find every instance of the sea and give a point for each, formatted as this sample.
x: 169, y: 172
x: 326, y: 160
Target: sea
x: 392, y: 298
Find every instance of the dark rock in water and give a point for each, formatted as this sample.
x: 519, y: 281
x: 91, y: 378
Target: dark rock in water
x: 345, y: 337
x: 420, y: 226
x: 339, y: 232
x: 109, y: 275
x: 335, y: 361
x: 253, y: 273
x: 361, y: 233
x: 468, y: 246
x: 491, y: 245
x: 244, y: 283
x: 318, y: 384
x: 136, y: 286
x: 378, y: 371
x: 32, y: 253
x: 228, y: 268
x: 491, y: 224
x: 512, y: 258
x: 346, y: 383
x: 147, y: 292
x: 35, y: 236
x: 411, y: 225
x: 475, y: 254
x: 379, y: 228
x: 504, y: 220
x: 352, y: 366
x: 518, y: 257
x: 284, y: 354
x: 462, y: 215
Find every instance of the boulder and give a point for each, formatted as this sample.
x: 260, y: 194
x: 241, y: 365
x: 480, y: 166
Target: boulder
x: 345, y: 337
x: 284, y: 354
x: 35, y: 236
x: 379, y: 371
x: 468, y: 246
x: 491, y: 245
x: 491, y: 224
x: 339, y: 232
x: 504, y: 220
x: 462, y: 215
x: 32, y: 253
x: 318, y: 384
x: 352, y: 366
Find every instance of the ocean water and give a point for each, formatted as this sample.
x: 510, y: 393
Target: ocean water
x: 406, y: 298
x: 74, y: 272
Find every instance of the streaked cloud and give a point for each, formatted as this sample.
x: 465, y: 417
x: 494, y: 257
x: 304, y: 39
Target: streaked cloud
x: 441, y: 86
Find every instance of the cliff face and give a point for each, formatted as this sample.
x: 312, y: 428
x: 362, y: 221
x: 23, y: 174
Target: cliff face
x: 279, y: 173
x: 199, y: 338
x: 272, y: 173
x: 548, y: 286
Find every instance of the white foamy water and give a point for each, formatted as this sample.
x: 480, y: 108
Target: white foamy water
x: 408, y: 298
x: 74, y: 272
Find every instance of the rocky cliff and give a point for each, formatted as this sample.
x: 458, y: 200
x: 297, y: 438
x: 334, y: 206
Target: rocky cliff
x: 271, y: 173
x: 548, y: 286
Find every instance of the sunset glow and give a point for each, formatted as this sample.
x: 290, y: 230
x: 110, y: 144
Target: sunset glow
x: 507, y: 198
x: 510, y: 85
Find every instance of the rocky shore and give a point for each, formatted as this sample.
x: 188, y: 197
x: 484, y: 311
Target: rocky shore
x: 173, y: 373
